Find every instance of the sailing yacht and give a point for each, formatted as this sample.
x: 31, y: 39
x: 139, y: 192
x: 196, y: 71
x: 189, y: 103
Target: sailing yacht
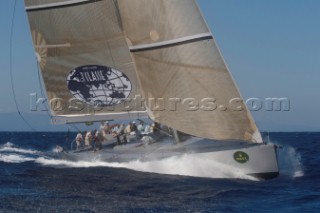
x: 132, y: 59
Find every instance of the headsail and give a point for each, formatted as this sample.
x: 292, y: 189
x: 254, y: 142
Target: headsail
x: 178, y: 62
x: 84, y: 58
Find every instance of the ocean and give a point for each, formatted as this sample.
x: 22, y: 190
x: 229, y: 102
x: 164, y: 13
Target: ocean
x: 32, y: 181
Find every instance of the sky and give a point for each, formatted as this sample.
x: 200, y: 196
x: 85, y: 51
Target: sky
x: 271, y: 47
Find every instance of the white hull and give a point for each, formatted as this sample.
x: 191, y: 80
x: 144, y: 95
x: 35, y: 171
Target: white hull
x: 258, y: 160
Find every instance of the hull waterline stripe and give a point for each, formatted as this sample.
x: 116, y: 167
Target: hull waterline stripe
x: 58, y: 5
x: 173, y: 42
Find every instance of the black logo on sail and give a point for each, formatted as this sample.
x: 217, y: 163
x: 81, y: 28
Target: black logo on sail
x: 99, y: 85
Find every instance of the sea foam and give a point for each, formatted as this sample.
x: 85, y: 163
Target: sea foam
x: 14, y: 158
x: 10, y: 147
x: 290, y: 162
x: 186, y: 165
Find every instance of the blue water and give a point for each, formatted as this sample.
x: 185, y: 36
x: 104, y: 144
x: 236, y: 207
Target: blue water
x: 31, y: 181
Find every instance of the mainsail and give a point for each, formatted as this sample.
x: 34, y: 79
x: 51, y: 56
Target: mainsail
x: 179, y: 64
x: 84, y: 59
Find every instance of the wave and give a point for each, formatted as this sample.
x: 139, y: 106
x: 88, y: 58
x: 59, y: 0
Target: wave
x: 8, y: 144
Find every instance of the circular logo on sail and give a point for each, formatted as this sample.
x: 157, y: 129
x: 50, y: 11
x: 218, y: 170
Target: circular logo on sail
x: 99, y: 85
x: 241, y: 157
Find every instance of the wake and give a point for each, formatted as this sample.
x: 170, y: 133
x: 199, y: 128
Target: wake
x: 11, y: 158
x: 10, y: 147
x: 9, y: 153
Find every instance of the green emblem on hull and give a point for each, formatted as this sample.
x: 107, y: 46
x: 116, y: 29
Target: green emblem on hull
x: 241, y: 157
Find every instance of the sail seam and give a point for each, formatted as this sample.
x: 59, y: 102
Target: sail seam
x: 173, y: 42
x: 59, y: 5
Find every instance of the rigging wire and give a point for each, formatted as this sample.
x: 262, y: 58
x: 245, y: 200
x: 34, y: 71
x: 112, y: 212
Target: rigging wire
x: 11, y: 73
x: 41, y: 89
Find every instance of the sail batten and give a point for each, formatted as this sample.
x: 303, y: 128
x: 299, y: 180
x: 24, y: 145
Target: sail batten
x: 173, y: 42
x: 53, y: 45
x: 57, y: 5
x: 98, y: 118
